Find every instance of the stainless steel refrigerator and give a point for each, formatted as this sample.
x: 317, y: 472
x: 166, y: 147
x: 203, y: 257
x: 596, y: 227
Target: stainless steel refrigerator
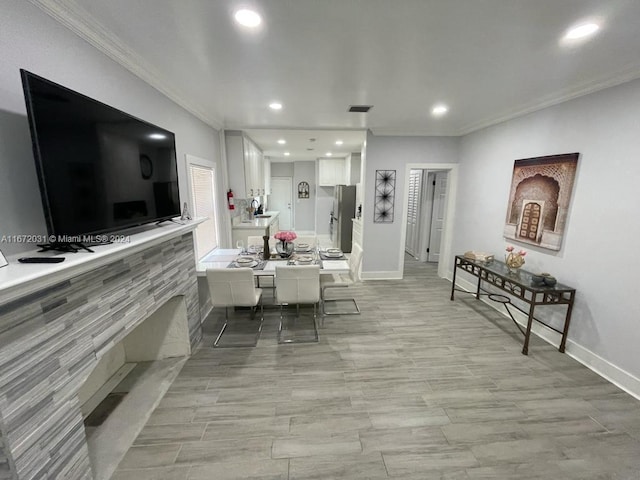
x: 344, y: 210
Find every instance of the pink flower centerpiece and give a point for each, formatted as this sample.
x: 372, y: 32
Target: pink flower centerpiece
x: 285, y: 247
x: 513, y: 259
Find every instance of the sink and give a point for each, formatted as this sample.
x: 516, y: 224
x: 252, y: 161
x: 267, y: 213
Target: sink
x: 263, y: 216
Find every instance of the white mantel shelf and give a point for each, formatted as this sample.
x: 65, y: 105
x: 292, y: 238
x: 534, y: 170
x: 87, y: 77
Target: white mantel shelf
x: 20, y: 279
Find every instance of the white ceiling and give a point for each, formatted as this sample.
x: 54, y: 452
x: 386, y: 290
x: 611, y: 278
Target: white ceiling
x: 307, y: 144
x: 489, y: 60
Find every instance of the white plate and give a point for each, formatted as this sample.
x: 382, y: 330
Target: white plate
x: 304, y: 260
x: 302, y: 246
x: 334, y: 251
x: 245, y: 260
x: 250, y: 265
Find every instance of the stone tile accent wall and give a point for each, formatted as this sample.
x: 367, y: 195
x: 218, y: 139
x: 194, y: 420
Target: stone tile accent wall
x: 51, y: 340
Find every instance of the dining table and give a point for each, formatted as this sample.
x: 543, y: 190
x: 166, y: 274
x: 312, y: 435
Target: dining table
x: 226, y: 258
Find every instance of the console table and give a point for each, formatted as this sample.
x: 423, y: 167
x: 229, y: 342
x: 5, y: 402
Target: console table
x: 520, y: 286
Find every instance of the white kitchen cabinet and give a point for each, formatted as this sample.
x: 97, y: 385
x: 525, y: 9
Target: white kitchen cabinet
x: 331, y: 172
x: 267, y: 176
x: 241, y: 231
x: 245, y: 165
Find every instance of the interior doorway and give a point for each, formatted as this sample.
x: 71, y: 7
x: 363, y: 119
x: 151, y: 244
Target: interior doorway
x: 280, y: 200
x: 425, y: 214
x: 430, y: 190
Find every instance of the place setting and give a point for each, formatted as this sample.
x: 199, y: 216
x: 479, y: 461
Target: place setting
x: 302, y: 248
x: 332, y: 254
x: 302, y: 260
x: 246, y: 261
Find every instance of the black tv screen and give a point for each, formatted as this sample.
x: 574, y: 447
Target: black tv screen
x: 99, y: 169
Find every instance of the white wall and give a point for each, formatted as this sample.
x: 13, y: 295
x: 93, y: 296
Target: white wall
x: 384, y: 241
x: 32, y: 40
x: 598, y: 256
x: 304, y: 208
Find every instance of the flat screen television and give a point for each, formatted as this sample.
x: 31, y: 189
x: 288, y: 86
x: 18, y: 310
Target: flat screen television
x: 99, y: 169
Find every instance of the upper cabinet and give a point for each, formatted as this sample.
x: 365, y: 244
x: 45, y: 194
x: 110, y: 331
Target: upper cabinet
x: 267, y: 175
x: 245, y: 163
x: 331, y: 172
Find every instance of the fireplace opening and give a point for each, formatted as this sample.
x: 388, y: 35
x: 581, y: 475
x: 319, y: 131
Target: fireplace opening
x: 129, y: 381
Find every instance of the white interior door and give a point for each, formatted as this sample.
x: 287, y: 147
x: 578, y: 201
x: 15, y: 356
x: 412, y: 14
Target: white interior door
x: 280, y: 200
x: 437, y: 217
x: 412, y: 241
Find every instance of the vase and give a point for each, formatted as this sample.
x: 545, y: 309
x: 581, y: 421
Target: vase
x: 514, y: 262
x: 284, y: 249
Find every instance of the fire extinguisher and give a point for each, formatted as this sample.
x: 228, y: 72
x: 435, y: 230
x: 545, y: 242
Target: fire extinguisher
x: 230, y: 200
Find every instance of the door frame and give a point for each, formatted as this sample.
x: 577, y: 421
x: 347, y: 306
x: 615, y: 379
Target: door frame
x: 419, y: 216
x: 445, y: 263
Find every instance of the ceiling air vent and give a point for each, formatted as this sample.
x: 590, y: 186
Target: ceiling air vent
x: 360, y: 108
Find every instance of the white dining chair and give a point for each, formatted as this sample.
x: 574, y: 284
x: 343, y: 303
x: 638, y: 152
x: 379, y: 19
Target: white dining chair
x: 297, y: 285
x: 234, y: 287
x: 342, y: 280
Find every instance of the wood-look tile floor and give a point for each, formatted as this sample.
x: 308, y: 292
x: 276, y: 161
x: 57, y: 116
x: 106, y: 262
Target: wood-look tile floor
x: 416, y: 387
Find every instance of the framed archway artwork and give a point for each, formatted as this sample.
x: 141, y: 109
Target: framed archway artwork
x: 383, y: 207
x: 539, y: 199
x: 303, y: 190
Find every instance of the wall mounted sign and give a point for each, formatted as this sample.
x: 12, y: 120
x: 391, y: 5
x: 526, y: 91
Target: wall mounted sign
x: 539, y: 199
x: 303, y: 190
x: 385, y: 196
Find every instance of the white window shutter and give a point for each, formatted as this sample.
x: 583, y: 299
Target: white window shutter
x: 203, y: 200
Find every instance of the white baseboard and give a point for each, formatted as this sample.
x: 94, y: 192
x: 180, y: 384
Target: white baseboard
x: 607, y: 370
x: 386, y: 275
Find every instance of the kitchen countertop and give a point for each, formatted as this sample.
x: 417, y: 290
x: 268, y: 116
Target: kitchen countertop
x: 256, y: 223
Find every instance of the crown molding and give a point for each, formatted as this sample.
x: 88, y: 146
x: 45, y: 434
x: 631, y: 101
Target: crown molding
x: 623, y: 76
x: 392, y: 132
x: 72, y: 16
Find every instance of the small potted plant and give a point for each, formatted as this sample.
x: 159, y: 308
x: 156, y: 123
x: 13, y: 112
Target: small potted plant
x: 285, y: 246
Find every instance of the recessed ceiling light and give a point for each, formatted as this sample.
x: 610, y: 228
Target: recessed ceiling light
x: 282, y: 141
x: 275, y: 106
x: 286, y: 154
x: 581, y: 31
x: 339, y: 142
x: 248, y: 18
x: 439, y: 110
x: 157, y: 136
x: 328, y: 154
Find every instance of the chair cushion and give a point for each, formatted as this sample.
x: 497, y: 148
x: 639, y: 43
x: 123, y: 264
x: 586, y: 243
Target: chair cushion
x: 334, y: 280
